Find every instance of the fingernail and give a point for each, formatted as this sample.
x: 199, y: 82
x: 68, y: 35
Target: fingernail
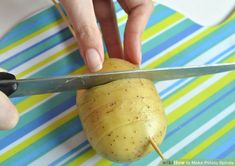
x: 93, y: 60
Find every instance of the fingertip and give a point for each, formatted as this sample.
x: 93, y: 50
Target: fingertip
x: 93, y: 60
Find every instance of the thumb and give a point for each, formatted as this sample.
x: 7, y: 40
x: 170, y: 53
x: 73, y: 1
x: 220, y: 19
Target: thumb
x: 8, y: 113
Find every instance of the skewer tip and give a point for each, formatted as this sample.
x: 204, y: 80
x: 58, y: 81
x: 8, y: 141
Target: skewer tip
x: 156, y: 148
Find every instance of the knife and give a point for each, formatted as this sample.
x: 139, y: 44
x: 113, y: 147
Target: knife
x: 25, y: 87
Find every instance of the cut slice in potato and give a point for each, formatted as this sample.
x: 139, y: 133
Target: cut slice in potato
x: 120, y: 117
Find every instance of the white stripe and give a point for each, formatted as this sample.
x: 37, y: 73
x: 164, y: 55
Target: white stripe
x: 168, y: 50
x: 36, y: 130
x: 92, y: 160
x: 190, y: 138
x: 42, y: 56
x: 32, y: 41
x: 60, y: 150
x: 120, y: 14
x: 38, y: 104
x: 169, y: 83
x: 194, y: 92
x: 48, y: 64
x: 202, y: 59
x: 214, y: 51
x: 73, y: 155
x: 165, y: 84
x: 177, y: 44
x: 162, y: 31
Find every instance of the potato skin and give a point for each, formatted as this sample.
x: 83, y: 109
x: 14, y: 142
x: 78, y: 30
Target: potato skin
x: 119, y: 117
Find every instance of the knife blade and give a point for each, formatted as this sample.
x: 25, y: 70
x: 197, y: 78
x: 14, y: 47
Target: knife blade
x: 26, y: 87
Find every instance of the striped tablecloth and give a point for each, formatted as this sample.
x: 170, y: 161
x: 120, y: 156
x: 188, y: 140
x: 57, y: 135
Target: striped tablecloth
x: 200, y: 111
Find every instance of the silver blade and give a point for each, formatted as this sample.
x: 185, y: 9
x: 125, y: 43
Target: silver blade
x: 57, y: 84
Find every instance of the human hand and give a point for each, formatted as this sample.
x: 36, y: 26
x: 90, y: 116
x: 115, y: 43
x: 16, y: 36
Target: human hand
x: 83, y: 14
x: 8, y: 113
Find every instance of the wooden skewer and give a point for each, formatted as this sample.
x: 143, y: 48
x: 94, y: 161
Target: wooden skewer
x: 64, y: 18
x: 157, y: 149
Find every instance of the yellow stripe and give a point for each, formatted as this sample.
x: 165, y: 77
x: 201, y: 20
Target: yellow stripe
x: 192, y: 85
x: 230, y: 59
x: 49, y: 26
x: 46, y: 28
x: 209, y: 140
x: 186, y: 44
x: 27, y: 142
x: 122, y: 19
x: 47, y: 61
x: 81, y: 159
x: 81, y: 70
x: 161, y: 26
x: 104, y: 162
x: 174, y: 97
x: 31, y: 101
x: 199, y: 98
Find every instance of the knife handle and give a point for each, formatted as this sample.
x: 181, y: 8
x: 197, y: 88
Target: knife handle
x: 8, y: 88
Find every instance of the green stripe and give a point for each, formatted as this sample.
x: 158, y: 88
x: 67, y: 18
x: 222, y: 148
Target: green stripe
x: 31, y: 52
x: 171, y: 141
x: 203, y: 105
x: 231, y: 156
x: 48, y: 71
x: 41, y: 142
x: 69, y: 60
x: 227, y: 27
x: 52, y: 15
x: 166, y: 35
x: 158, y: 9
x: 213, y: 111
x: 216, y: 145
x: 117, y: 6
x: 202, y: 137
x: 38, y: 111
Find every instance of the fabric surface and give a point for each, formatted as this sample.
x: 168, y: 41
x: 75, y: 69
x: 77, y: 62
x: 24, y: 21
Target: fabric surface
x: 200, y: 111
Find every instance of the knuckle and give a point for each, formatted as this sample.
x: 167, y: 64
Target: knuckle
x: 85, y: 32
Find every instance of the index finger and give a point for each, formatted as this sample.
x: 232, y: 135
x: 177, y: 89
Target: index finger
x: 138, y: 12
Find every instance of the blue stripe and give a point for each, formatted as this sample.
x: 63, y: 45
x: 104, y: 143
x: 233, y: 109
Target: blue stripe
x: 174, y: 85
x: 79, y: 154
x: 223, y: 53
x: 35, y: 112
x: 63, y: 34
x: 165, y: 45
x: 227, y: 152
x: 28, y: 27
x: 201, y: 46
x: 74, y: 150
x: 159, y: 38
x: 36, y: 123
x: 74, y: 61
x: 187, y: 122
x: 56, y: 137
x: 213, y: 60
x: 223, y: 148
x: 17, y: 100
x: 155, y: 18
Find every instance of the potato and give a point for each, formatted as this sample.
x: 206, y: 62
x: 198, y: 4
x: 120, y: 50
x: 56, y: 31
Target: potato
x: 120, y: 117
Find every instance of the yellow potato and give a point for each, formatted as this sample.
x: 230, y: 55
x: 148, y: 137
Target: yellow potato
x: 120, y: 117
